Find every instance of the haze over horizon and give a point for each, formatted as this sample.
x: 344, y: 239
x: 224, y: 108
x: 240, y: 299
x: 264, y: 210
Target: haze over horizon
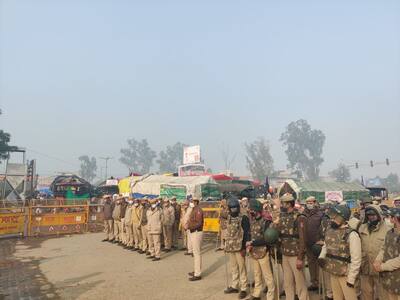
x: 80, y: 78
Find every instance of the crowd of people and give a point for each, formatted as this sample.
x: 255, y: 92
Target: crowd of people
x: 349, y: 254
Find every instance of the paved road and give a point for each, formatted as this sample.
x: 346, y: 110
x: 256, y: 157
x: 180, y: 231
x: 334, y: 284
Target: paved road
x: 82, y: 267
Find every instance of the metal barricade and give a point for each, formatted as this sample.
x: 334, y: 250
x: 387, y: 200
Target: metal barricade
x: 96, y: 217
x: 12, y: 221
x: 57, y: 219
x: 211, y: 216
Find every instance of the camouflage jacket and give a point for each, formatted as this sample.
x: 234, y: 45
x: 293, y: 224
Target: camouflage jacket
x: 337, y: 251
x: 342, y: 252
x: 234, y: 234
x: 223, y: 217
x: 257, y: 228
x: 390, y: 257
x: 291, y: 233
x: 234, y: 231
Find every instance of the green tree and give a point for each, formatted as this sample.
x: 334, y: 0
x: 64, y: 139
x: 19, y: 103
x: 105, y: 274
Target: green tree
x: 171, y: 158
x: 4, y: 147
x: 258, y: 159
x: 304, y: 148
x: 392, y: 183
x: 341, y: 173
x: 138, y: 156
x: 88, y: 167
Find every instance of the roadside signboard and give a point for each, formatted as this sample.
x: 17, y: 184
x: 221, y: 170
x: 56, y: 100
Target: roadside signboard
x: 191, y: 155
x: 334, y: 196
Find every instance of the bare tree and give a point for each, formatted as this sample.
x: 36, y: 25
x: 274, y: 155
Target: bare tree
x: 227, y: 157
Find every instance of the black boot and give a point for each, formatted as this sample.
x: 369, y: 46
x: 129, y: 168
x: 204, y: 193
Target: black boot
x: 242, y: 294
x: 231, y: 290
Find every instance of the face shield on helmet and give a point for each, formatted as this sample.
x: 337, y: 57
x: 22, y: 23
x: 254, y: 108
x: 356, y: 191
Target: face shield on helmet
x: 339, y: 215
x: 233, y: 206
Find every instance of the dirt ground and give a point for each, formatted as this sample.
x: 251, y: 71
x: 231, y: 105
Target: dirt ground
x: 82, y: 267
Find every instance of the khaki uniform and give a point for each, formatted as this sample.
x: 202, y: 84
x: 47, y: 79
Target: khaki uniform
x: 108, y: 219
x: 175, y: 227
x: 109, y: 229
x: 128, y: 225
x: 154, y: 228
x: 291, y: 227
x: 260, y: 261
x: 389, y: 255
x: 117, y: 222
x: 137, y: 232
x: 195, y: 226
x: 342, y: 253
x: 182, y: 227
x: 168, y: 223
x: 143, y: 228
x: 122, y: 232
x: 233, y: 247
x: 185, y: 222
x: 371, y: 243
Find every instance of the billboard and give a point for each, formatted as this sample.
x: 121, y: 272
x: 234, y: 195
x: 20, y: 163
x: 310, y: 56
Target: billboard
x: 191, y: 155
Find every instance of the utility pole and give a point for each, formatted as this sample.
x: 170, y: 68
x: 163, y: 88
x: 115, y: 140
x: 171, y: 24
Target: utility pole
x: 107, y: 158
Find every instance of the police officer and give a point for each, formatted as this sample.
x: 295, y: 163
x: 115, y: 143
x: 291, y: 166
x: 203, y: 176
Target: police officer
x: 175, y: 229
x: 154, y: 230
x: 143, y: 227
x: 108, y: 219
x: 128, y: 225
x: 237, y: 234
x: 168, y: 213
x: 325, y: 223
x: 372, y: 234
x: 314, y: 216
x: 137, y: 213
x: 291, y: 225
x: 259, y: 253
x: 117, y: 219
x: 222, y: 218
x: 387, y: 262
x: 364, y: 203
x: 195, y: 227
x: 341, y: 254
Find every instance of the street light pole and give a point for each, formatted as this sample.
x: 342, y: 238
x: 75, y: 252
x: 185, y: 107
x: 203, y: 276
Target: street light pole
x: 107, y: 158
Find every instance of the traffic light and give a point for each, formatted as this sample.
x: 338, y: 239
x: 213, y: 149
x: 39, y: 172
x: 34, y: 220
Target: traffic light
x: 356, y: 165
x: 371, y: 163
x: 387, y: 161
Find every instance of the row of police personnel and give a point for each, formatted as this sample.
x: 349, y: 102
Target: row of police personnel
x: 145, y: 225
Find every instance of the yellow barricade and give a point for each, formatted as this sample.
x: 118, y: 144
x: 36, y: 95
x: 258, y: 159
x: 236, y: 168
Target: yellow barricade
x: 211, y: 219
x: 12, y: 221
x: 58, y: 219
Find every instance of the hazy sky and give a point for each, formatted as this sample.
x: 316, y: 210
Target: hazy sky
x: 80, y: 77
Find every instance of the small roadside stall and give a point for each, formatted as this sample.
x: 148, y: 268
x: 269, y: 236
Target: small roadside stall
x: 325, y: 191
